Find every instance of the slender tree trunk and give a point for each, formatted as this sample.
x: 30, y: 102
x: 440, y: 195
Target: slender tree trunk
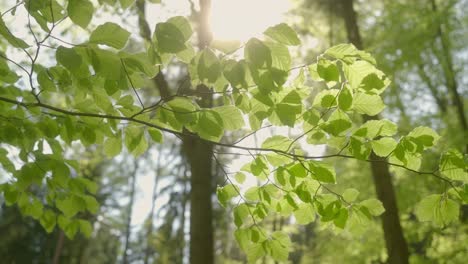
x: 58, y: 247
x: 439, y: 99
x: 397, y: 248
x: 128, y: 230
x: 449, y: 73
x: 154, y: 196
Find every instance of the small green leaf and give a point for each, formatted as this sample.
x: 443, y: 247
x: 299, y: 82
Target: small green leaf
x: 350, y: 195
x: 209, y: 125
x: 283, y: 34
x: 384, y: 146
x: 240, y: 177
x: 172, y: 34
x: 226, y: 193
x: 85, y: 228
x: 110, y: 34
x: 453, y: 166
x: 257, y: 53
x: 277, y: 142
x: 374, y: 206
x: 328, y: 71
x: 48, y: 220
x: 345, y: 99
x: 304, y: 214
x: 155, y: 135
x: 374, y: 128
x: 80, y: 12
x: 369, y: 104
x: 240, y: 214
x: 322, y: 172
x: 438, y: 209
x: 231, y: 116
x: 209, y: 67
x: 113, y: 146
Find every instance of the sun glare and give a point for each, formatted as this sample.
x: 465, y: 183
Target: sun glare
x: 243, y: 19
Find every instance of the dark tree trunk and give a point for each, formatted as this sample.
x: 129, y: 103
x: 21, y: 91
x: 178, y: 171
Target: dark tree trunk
x: 200, y: 154
x: 397, y: 248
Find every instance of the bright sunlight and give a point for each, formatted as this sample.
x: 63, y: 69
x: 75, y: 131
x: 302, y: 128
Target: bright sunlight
x: 243, y: 19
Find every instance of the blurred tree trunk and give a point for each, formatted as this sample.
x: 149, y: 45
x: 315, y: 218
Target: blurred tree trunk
x: 397, y: 248
x: 154, y: 196
x: 128, y: 227
x: 58, y: 247
x: 445, y: 57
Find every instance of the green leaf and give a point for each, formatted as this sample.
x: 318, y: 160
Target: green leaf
x: 337, y: 123
x: 369, y: 104
x: 91, y: 204
x: 126, y: 3
x: 283, y: 34
x: 14, y: 41
x: 322, y: 172
x: 357, y: 72
x: 231, y: 116
x: 279, y: 246
x: 70, y: 206
x: 69, y: 58
x: 349, y: 53
x: 424, y: 137
x: 285, y: 114
x: 326, y: 98
x: 155, y: 135
x: 110, y: 34
x: 235, y: 72
x: 107, y: 64
x: 280, y: 61
x: 139, y: 62
x: 85, y: 228
x: 328, y: 71
x: 257, y: 53
x: 209, y: 67
x: 374, y: 206
x: 374, y: 128
x: 48, y: 220
x: 255, y: 252
x: 438, y: 209
x: 304, y: 214
x: 240, y: 214
x: 185, y: 111
x: 350, y: 195
x: 226, y: 193
x: 345, y: 99
x: 240, y: 177
x: 342, y: 218
x: 80, y: 12
x: 453, y: 166
x: 172, y: 34
x: 277, y: 142
x: 384, y: 146
x: 209, y: 125
x: 113, y: 146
